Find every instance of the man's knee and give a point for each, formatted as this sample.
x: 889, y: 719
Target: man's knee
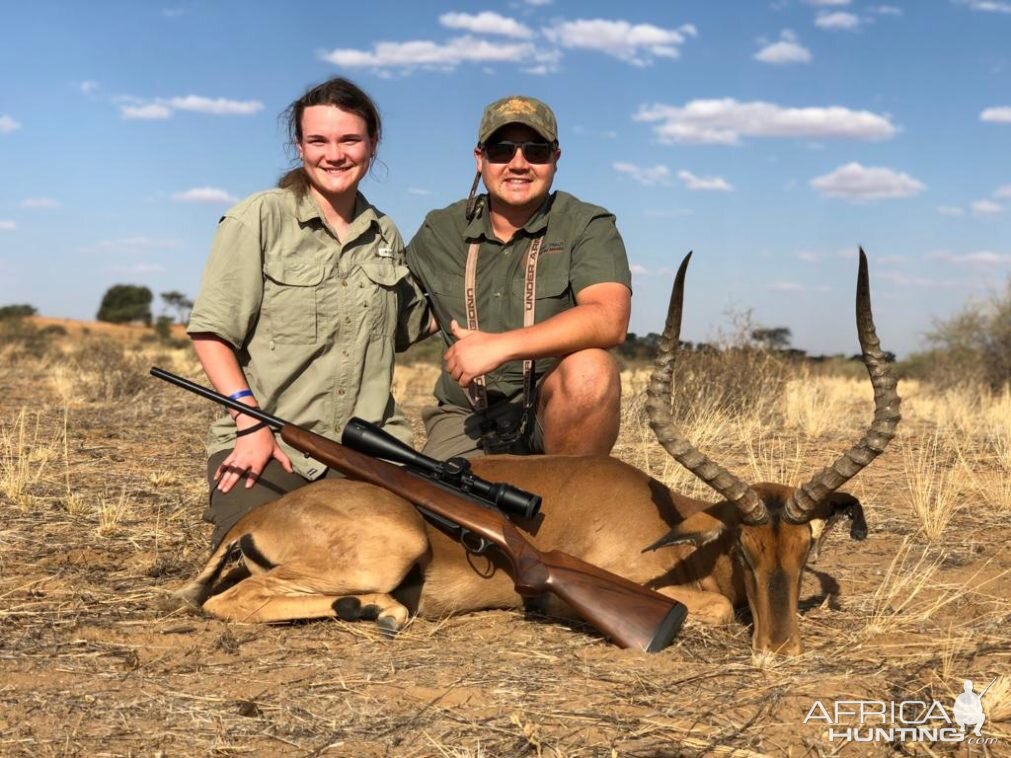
x: 587, y: 378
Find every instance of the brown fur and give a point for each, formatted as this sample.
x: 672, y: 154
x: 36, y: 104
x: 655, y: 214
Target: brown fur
x: 343, y: 549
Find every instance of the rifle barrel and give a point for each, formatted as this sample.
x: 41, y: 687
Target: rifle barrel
x: 210, y: 394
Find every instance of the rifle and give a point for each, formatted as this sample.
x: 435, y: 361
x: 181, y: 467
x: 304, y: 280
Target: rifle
x: 631, y: 615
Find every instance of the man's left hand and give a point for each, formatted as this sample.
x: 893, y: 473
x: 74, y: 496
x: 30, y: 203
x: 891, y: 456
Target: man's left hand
x: 474, y: 353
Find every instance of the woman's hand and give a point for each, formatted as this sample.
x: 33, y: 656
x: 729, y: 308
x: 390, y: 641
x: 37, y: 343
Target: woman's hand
x: 250, y: 456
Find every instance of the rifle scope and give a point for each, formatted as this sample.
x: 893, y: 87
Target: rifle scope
x: 372, y: 440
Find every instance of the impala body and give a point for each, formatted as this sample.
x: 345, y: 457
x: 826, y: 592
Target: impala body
x: 352, y: 550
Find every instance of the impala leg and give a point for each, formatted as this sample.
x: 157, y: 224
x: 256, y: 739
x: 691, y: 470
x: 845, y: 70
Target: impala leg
x: 708, y: 607
x: 278, y: 595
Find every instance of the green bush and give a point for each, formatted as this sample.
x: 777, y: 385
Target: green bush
x: 21, y: 310
x: 973, y: 347
x: 123, y: 303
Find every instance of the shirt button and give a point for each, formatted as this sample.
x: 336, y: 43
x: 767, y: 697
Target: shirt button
x: 340, y: 391
x: 272, y: 344
x: 498, y: 294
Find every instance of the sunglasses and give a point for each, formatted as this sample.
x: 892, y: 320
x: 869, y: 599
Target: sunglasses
x: 503, y: 151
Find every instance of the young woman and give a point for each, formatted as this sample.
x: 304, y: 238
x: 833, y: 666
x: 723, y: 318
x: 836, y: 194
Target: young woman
x: 303, y: 302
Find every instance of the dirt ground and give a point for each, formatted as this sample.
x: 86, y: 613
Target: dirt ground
x: 101, y: 515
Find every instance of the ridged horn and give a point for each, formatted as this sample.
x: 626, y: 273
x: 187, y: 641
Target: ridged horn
x: 800, y: 507
x: 661, y: 419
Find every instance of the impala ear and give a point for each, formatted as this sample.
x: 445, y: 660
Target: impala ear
x: 844, y: 504
x: 838, y: 505
x: 696, y: 539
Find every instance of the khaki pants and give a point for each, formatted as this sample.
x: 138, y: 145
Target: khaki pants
x: 225, y: 509
x: 454, y: 431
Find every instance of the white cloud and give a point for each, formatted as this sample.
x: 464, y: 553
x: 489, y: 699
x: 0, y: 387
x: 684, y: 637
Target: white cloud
x: 546, y: 62
x: 8, y: 125
x: 205, y: 195
x: 427, y: 54
x: 645, y: 176
x: 39, y: 202
x: 987, y: 6
x: 8, y: 226
x: 148, y: 112
x: 904, y: 280
x: 704, y: 183
x: 886, y: 10
x: 787, y: 50
x: 638, y: 270
x: 160, y: 108
x: 139, y: 268
x: 786, y: 287
x: 485, y: 23
x: 215, y: 106
x: 132, y: 244
x: 725, y: 121
x: 418, y: 191
x: 1003, y: 192
x: 89, y: 87
x: 837, y: 20
x: 978, y: 258
x: 855, y: 182
x: 1001, y: 115
x: 828, y: 2
x: 986, y: 208
x: 950, y: 210
x: 637, y: 44
x: 669, y: 213
x: 809, y: 256
x: 536, y: 3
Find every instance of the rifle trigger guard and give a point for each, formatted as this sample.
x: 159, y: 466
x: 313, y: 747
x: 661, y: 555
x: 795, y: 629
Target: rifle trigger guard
x: 472, y: 543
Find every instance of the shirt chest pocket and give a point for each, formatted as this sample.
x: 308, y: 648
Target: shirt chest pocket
x: 290, y: 300
x: 552, y: 292
x: 378, y: 283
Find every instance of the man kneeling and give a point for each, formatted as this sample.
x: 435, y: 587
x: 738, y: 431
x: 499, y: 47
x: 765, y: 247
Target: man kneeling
x: 530, y: 289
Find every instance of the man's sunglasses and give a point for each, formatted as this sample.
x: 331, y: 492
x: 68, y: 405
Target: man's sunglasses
x: 502, y: 151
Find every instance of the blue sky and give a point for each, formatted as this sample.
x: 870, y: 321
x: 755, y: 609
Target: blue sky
x: 771, y: 137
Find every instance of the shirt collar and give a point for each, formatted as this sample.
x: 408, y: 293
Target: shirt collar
x: 307, y: 209
x: 480, y: 225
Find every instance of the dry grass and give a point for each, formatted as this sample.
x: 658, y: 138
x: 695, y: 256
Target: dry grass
x: 101, y: 491
x: 932, y: 484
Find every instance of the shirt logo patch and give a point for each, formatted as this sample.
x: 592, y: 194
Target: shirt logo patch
x: 553, y: 247
x: 385, y: 252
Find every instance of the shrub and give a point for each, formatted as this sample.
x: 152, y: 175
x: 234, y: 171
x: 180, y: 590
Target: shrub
x: 973, y: 347
x: 21, y: 310
x: 23, y: 339
x: 123, y: 303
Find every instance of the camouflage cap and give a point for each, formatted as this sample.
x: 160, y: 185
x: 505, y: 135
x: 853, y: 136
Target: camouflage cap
x: 518, y: 109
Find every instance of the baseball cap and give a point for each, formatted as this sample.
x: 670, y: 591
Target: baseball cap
x: 518, y: 109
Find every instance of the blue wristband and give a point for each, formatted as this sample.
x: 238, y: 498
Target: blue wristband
x: 240, y: 394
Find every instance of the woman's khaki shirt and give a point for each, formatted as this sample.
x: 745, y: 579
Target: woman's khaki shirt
x: 314, y: 320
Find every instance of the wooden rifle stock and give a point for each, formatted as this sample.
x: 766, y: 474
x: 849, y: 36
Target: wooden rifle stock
x: 631, y: 615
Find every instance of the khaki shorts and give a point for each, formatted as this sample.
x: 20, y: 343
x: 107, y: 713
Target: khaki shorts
x: 454, y: 431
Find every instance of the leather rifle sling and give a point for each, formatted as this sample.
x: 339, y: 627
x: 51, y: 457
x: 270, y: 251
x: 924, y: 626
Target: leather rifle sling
x: 477, y: 392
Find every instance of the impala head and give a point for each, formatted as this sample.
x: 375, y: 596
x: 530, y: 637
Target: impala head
x: 776, y: 528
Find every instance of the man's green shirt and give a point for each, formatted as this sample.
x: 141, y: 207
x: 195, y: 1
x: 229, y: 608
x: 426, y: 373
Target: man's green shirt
x: 581, y: 247
x: 314, y: 321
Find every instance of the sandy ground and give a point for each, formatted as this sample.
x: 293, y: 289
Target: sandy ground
x: 107, y: 518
